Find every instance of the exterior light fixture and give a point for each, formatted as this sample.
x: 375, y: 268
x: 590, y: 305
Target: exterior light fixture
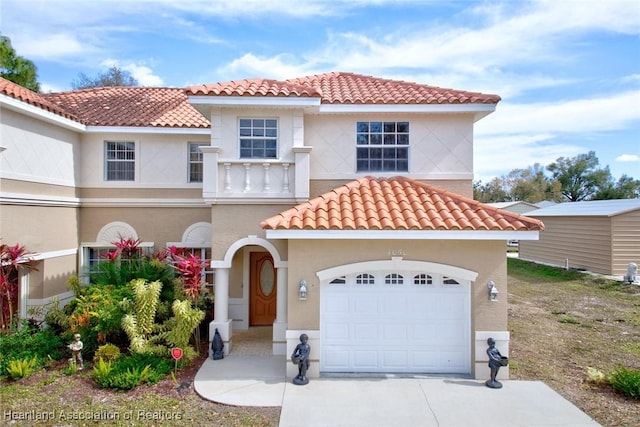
x: 493, y: 291
x: 302, y: 291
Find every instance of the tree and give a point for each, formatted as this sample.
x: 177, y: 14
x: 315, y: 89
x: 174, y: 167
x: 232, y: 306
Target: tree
x: 16, y: 68
x: 625, y: 188
x: 532, y: 185
x: 492, y: 191
x: 114, y: 76
x: 579, y: 176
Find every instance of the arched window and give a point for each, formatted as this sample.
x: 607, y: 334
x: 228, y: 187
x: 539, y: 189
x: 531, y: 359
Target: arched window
x: 365, y: 279
x: 393, y: 279
x: 422, y: 279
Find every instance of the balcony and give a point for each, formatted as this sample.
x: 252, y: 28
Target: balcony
x: 255, y: 180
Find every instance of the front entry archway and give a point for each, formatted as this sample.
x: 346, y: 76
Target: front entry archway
x: 262, y: 289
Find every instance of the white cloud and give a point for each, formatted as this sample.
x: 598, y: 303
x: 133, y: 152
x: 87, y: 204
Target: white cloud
x: 496, y: 156
x: 143, y: 74
x: 608, y: 113
x: 628, y: 158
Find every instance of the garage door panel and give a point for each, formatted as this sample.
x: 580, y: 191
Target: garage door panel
x: 394, y: 359
x: 365, y: 360
x: 365, y: 304
x: 394, y: 304
x: 396, y: 329
x: 336, y: 303
x: 335, y: 331
x: 363, y: 332
x: 395, y: 332
x: 337, y: 359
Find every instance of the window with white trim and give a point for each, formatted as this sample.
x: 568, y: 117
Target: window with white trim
x: 120, y: 161
x: 258, y: 138
x: 365, y: 279
x: 382, y: 146
x: 449, y: 281
x: 195, y: 161
x: 422, y: 279
x: 394, y: 279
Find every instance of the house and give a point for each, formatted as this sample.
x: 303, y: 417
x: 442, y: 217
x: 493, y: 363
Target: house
x: 601, y: 236
x: 337, y: 205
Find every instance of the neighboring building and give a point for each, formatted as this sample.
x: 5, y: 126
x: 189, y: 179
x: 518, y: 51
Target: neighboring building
x: 519, y: 207
x: 359, y: 186
x: 601, y: 236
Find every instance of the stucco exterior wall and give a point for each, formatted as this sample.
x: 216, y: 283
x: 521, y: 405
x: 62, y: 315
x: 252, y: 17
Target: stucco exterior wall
x: 306, y: 257
x: 161, y: 161
x: 37, y: 151
x: 233, y: 222
x: 154, y: 224
x: 441, y: 146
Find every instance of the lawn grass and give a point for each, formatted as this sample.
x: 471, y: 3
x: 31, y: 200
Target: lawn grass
x: 562, y: 322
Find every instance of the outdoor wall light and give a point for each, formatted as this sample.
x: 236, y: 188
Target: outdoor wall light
x: 302, y: 291
x: 493, y: 291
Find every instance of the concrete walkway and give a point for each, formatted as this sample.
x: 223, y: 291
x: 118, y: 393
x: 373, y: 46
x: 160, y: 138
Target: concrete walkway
x: 249, y: 380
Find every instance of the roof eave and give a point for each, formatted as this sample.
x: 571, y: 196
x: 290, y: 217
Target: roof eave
x: 39, y: 113
x: 403, y: 234
x: 479, y: 110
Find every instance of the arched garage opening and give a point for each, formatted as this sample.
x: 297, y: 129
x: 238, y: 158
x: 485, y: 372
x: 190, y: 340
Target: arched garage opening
x: 395, y: 316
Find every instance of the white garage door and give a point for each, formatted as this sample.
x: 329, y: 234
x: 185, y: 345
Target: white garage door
x: 395, y: 322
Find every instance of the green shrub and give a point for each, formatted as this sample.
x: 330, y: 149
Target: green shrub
x: 102, y: 373
x: 21, y: 368
x: 626, y: 381
x: 25, y: 343
x: 131, y: 378
x: 107, y: 352
x: 131, y: 371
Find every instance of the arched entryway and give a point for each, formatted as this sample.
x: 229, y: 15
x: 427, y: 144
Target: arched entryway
x: 263, y: 301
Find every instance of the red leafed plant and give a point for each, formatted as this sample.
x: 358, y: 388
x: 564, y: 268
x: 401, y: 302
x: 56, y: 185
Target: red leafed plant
x: 128, y: 248
x: 11, y: 258
x: 189, y: 267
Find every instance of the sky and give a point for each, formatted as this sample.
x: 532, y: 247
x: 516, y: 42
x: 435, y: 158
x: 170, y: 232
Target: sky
x: 568, y: 71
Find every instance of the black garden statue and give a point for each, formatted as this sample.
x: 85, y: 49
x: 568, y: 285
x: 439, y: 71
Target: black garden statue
x: 496, y: 360
x: 300, y: 357
x: 217, y: 346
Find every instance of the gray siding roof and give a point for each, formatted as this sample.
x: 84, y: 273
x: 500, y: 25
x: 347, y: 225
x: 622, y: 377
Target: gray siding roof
x: 590, y: 208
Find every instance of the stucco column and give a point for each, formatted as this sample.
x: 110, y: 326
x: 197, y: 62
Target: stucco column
x: 221, y: 310
x: 280, y: 325
x: 221, y: 296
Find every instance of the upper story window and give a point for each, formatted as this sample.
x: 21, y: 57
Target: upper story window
x: 195, y: 161
x: 382, y: 146
x: 258, y: 138
x: 120, y: 161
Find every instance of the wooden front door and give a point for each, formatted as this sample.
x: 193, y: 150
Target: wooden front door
x: 262, y: 290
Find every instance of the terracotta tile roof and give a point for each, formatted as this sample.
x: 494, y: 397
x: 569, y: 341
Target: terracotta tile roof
x: 398, y: 203
x: 346, y: 88
x: 130, y: 106
x: 37, y: 100
x: 254, y: 87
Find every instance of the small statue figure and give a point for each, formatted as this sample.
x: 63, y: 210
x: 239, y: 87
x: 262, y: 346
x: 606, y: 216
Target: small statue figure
x: 300, y: 357
x: 217, y: 346
x: 76, y: 351
x: 632, y: 271
x: 496, y: 360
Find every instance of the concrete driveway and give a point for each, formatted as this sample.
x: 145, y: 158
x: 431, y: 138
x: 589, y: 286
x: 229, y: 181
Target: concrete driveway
x: 384, y: 401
